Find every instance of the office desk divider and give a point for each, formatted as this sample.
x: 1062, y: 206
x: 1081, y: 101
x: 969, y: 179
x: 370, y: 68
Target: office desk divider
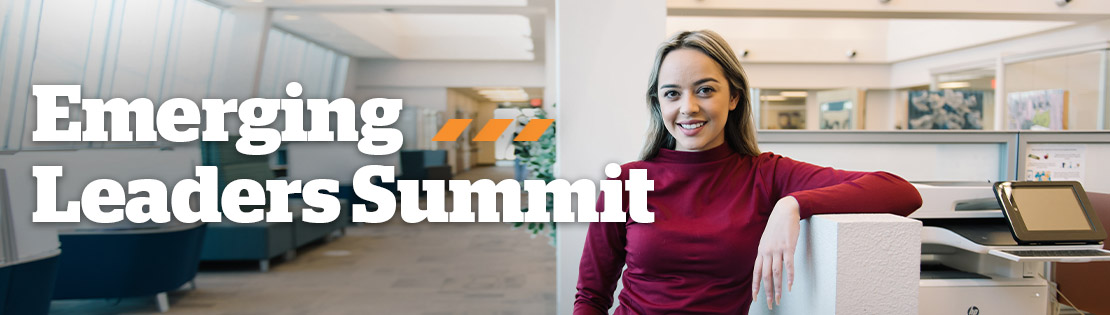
x: 927, y: 155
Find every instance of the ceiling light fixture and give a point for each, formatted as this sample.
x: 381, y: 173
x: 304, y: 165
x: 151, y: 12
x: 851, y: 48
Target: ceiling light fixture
x: 953, y: 85
x: 794, y: 94
x: 772, y: 98
x: 290, y: 17
x: 503, y: 94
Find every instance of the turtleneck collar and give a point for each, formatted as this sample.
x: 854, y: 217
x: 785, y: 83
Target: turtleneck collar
x: 690, y: 157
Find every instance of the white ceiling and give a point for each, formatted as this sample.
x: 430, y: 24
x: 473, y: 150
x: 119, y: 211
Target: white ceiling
x: 513, y: 30
x: 827, y: 40
x: 417, y: 36
x: 416, y: 29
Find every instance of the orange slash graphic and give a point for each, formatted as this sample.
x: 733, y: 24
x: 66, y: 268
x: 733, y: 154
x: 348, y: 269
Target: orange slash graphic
x: 493, y: 130
x: 534, y: 129
x: 451, y: 130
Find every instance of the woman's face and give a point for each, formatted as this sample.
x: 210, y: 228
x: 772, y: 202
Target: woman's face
x: 694, y: 99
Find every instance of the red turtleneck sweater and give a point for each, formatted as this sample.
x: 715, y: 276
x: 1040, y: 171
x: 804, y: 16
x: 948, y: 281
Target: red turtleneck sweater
x: 710, y: 211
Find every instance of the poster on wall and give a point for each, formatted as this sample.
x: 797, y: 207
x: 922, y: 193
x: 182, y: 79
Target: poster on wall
x: 1055, y: 162
x: 838, y: 115
x: 786, y: 119
x: 1038, y: 110
x: 947, y: 109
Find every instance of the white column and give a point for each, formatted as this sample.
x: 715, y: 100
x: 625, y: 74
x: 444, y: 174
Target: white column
x: 853, y: 264
x: 604, y: 56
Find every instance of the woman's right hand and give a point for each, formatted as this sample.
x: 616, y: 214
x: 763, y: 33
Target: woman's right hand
x: 776, y: 250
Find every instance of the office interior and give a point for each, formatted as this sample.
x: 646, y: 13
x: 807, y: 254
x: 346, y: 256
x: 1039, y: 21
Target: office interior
x: 852, y: 84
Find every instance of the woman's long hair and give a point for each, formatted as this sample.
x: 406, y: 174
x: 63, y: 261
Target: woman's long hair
x: 739, y: 128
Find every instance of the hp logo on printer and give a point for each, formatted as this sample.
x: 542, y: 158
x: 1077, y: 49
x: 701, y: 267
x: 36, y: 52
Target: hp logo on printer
x: 973, y: 310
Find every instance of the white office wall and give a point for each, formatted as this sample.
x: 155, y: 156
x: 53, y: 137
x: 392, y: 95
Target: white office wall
x: 434, y: 98
x: 916, y: 38
x: 880, y: 109
x: 916, y: 72
x: 795, y: 40
x: 600, y: 85
x: 817, y: 76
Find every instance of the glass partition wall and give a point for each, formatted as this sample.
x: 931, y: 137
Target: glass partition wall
x: 1058, y: 89
x: 1077, y: 80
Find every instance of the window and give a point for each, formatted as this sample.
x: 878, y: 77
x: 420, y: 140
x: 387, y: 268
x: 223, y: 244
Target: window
x: 321, y: 71
x: 131, y: 49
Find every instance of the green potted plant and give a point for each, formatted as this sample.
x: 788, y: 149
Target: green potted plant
x: 538, y: 159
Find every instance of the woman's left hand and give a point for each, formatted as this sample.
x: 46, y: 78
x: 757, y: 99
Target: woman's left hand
x: 776, y: 250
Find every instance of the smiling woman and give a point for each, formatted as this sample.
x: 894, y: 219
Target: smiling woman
x: 681, y: 98
x: 726, y: 214
x: 693, y: 83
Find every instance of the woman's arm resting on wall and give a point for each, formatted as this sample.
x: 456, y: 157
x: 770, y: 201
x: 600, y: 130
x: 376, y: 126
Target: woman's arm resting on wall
x: 824, y: 190
x: 809, y: 189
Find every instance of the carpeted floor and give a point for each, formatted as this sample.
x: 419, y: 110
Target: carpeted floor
x: 389, y: 268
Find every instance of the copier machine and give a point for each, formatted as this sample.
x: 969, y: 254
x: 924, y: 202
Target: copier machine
x: 964, y: 269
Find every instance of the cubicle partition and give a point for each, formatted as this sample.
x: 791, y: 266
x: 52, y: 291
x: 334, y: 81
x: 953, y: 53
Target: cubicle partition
x: 1089, y: 151
x: 918, y: 156
x: 924, y: 156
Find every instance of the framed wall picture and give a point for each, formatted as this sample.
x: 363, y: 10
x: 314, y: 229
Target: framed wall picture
x: 838, y: 115
x: 790, y: 119
x: 1038, y: 110
x: 783, y: 116
x: 841, y: 109
x: 946, y: 109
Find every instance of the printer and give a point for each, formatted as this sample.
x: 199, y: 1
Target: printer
x: 967, y: 265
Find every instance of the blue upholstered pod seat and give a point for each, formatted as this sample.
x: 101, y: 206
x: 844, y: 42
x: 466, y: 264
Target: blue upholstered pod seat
x: 128, y: 262
x: 26, y: 285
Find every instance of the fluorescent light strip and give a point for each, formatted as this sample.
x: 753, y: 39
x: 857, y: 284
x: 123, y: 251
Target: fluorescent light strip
x: 953, y: 85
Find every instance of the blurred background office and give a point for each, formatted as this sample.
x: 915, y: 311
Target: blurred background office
x: 997, y: 65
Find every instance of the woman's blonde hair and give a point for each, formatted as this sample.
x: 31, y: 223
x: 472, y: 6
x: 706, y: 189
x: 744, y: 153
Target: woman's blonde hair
x: 739, y: 128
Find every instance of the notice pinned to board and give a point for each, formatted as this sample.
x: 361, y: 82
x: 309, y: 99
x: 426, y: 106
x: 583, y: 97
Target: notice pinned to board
x: 1055, y: 162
